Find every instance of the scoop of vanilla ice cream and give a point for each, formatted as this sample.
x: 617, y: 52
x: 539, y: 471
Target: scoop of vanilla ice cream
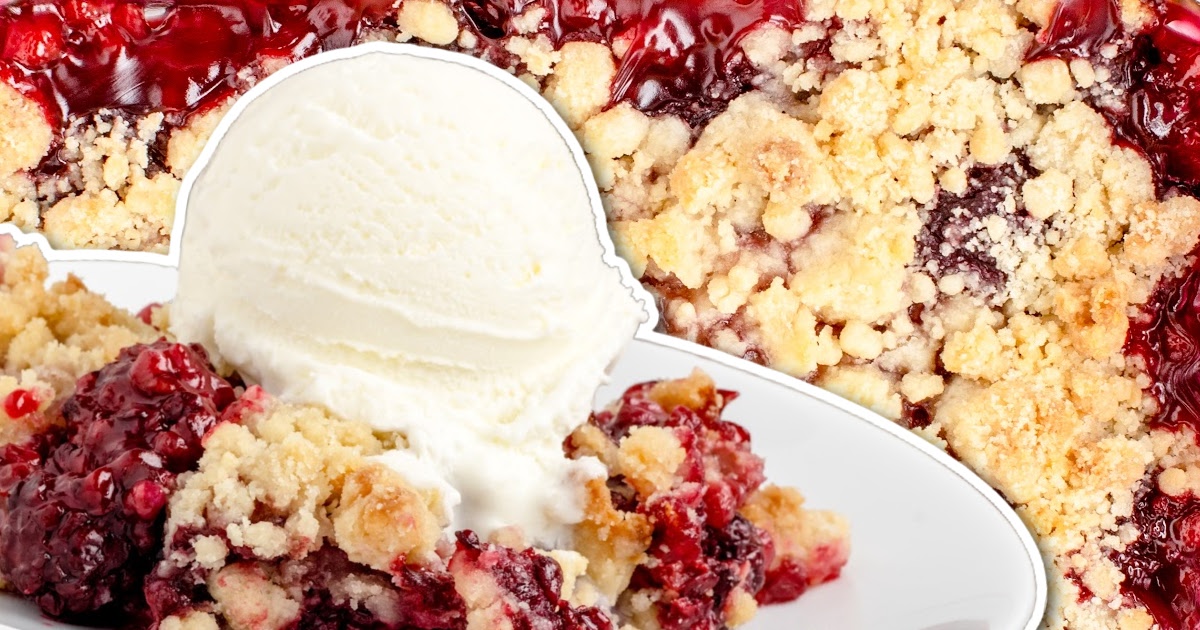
x: 410, y: 242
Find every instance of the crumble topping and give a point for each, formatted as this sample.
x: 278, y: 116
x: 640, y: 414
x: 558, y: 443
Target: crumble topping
x: 50, y: 336
x: 27, y: 134
x: 283, y: 479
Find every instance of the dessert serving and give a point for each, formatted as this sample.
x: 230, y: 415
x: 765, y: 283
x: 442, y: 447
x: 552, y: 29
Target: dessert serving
x: 368, y: 405
x: 155, y: 492
x: 976, y: 217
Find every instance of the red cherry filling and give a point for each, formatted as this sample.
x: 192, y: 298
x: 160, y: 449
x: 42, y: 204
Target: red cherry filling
x: 1159, y: 72
x: 525, y: 585
x: 1165, y: 337
x: 1162, y: 567
x: 696, y: 566
x: 1164, y: 103
x: 20, y: 403
x: 80, y: 56
x: 684, y: 56
x: 1077, y: 29
x: 81, y: 518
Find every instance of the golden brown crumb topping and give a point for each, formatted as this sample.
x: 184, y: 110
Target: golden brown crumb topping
x: 50, y: 336
x: 286, y: 480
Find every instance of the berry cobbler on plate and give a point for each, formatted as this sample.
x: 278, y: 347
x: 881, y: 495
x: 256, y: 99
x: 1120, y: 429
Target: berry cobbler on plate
x: 978, y: 218
x: 144, y: 488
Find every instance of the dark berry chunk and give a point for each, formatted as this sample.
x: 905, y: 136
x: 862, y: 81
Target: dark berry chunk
x: 428, y: 598
x: 526, y: 587
x: 424, y: 598
x: 81, y: 518
x: 1162, y: 567
x: 955, y: 240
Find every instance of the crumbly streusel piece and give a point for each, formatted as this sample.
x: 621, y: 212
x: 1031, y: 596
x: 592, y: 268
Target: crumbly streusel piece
x: 50, y: 336
x: 285, y: 480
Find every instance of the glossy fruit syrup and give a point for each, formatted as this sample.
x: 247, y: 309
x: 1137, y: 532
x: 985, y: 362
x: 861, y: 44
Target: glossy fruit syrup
x: 1158, y: 69
x: 1159, y: 72
x: 82, y: 505
x: 1162, y: 568
x: 79, y: 56
x: 684, y: 56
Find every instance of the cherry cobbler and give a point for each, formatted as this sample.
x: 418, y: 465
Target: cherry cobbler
x: 141, y: 488
x: 978, y: 218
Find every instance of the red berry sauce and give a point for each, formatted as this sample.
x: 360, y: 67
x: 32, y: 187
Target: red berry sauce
x: 1162, y: 567
x: 77, y: 57
x: 684, y: 56
x: 81, y: 56
x: 1158, y: 69
x: 81, y: 506
x: 1164, y: 103
x: 20, y: 403
x: 1077, y: 29
x: 1165, y: 338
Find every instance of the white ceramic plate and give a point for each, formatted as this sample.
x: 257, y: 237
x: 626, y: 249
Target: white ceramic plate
x: 934, y: 548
